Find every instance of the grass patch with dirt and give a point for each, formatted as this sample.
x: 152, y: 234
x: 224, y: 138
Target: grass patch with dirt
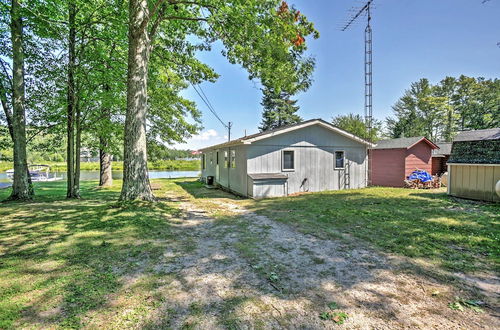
x: 455, y: 234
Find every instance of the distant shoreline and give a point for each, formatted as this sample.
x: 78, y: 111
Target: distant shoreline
x: 169, y: 165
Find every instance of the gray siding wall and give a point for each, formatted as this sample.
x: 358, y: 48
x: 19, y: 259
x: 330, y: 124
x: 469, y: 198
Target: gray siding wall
x: 234, y: 179
x: 314, y: 149
x: 210, y: 165
x: 266, y: 188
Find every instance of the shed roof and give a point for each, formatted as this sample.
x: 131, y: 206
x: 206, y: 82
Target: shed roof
x: 478, y: 135
x: 403, y: 143
x: 284, y: 129
x: 444, y: 149
x: 267, y: 176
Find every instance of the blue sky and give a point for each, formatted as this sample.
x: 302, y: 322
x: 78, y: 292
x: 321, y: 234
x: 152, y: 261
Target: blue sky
x: 412, y: 39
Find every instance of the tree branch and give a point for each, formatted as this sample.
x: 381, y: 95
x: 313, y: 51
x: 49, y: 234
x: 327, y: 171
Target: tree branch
x: 187, y: 18
x: 190, y: 3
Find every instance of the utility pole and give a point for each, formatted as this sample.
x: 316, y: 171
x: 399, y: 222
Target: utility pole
x: 229, y: 125
x: 366, y: 9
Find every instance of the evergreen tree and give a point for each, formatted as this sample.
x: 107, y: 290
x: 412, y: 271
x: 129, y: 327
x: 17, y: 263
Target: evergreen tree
x: 279, y: 110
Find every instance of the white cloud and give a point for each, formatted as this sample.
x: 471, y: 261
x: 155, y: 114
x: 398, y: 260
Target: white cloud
x: 205, y: 136
x: 204, y: 139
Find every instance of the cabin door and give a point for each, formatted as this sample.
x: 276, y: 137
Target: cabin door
x: 217, y: 172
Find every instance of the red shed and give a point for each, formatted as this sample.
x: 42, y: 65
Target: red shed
x: 440, y: 158
x: 393, y: 160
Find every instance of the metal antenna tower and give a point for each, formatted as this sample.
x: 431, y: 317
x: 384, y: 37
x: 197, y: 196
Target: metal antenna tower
x: 366, y: 9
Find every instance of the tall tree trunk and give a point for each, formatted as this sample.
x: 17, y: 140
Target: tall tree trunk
x: 70, y: 161
x: 135, y: 172
x: 78, y: 145
x: 105, y: 173
x: 22, y: 188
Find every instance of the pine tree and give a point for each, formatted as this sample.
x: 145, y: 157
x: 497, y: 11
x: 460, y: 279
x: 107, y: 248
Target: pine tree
x: 279, y: 109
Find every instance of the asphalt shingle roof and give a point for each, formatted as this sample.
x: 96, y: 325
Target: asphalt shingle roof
x: 398, y: 143
x: 478, y: 135
x: 444, y: 149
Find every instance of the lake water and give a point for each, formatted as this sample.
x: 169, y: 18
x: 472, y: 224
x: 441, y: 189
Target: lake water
x: 94, y: 175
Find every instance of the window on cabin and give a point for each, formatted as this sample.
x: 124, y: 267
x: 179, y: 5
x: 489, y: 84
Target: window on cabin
x: 233, y: 158
x: 339, y: 159
x: 203, y: 162
x: 226, y: 161
x: 288, y: 160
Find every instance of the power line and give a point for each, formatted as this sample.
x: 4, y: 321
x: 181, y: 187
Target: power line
x: 205, y: 100
x: 208, y: 104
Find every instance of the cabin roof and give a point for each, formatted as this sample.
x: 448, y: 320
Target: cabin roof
x: 288, y: 128
x: 403, y: 143
x: 444, y: 149
x: 478, y: 135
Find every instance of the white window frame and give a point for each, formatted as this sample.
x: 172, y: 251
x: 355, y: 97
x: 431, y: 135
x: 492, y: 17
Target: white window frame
x: 203, y: 161
x: 283, y: 169
x: 226, y: 159
x: 335, y: 159
x: 232, y: 158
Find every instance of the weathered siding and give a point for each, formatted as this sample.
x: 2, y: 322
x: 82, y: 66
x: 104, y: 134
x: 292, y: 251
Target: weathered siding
x: 314, y: 149
x: 234, y: 179
x: 474, y: 181
x: 388, y: 167
x: 210, y: 165
x: 439, y: 165
x: 418, y: 157
x: 266, y: 188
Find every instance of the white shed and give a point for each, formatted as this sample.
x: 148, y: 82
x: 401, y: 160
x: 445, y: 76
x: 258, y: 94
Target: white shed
x: 313, y: 155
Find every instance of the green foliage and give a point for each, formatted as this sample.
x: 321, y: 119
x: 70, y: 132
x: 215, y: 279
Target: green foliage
x: 439, y: 111
x: 476, y: 152
x: 279, y: 110
x: 460, y: 304
x: 355, y: 124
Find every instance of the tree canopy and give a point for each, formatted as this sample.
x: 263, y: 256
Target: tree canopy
x: 439, y: 111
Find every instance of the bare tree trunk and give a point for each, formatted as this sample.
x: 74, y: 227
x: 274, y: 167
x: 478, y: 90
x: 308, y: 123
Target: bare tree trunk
x: 76, y: 183
x: 105, y: 173
x: 22, y: 189
x: 135, y: 172
x: 70, y: 161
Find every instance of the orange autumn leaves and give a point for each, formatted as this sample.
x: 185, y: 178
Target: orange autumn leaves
x: 285, y: 13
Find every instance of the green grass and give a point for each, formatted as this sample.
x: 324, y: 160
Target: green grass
x: 94, y: 262
x: 457, y: 235
x: 174, y: 165
x: 63, y: 259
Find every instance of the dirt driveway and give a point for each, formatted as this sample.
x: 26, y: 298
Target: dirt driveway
x: 247, y: 271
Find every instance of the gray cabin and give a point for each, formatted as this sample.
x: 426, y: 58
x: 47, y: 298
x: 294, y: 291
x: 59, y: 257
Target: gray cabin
x: 310, y: 156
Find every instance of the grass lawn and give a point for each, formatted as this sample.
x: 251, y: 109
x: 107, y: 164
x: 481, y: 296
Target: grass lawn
x: 94, y: 262
x: 458, y: 235
x: 63, y: 258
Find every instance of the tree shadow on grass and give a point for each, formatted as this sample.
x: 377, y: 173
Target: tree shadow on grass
x: 75, y: 259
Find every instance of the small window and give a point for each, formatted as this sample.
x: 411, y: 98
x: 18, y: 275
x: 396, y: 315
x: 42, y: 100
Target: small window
x: 225, y: 160
x: 233, y: 158
x: 203, y: 161
x: 288, y: 160
x: 339, y: 159
x: 217, y: 158
x: 211, y: 158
